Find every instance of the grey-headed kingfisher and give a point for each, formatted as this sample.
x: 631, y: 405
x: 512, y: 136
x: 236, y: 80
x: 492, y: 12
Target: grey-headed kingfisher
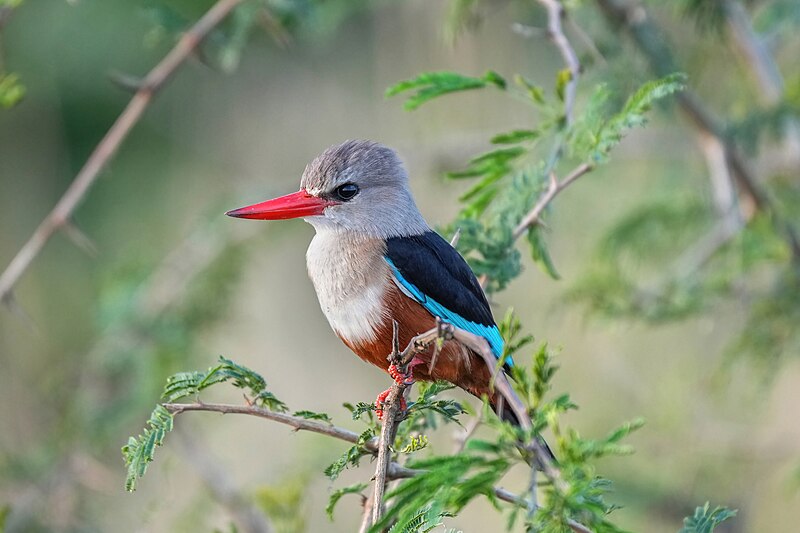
x: 375, y: 260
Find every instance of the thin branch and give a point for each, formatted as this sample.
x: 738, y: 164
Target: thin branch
x: 554, y: 188
x: 394, y: 470
x: 555, y: 31
x: 299, y: 424
x: 756, y: 56
x: 111, y: 142
x: 587, y: 41
x: 386, y: 469
x: 754, y: 52
x: 366, y: 516
x: 462, y: 437
x: 391, y: 413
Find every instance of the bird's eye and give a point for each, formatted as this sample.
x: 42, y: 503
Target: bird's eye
x: 346, y: 192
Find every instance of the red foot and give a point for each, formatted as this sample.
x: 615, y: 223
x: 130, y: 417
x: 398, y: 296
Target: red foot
x: 381, y: 399
x: 407, y: 377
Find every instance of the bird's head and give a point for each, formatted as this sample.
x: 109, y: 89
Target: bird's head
x: 358, y: 187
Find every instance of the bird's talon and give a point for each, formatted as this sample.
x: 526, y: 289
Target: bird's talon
x: 400, y: 377
x: 381, y: 400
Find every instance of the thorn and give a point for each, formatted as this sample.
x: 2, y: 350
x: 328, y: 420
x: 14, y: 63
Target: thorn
x: 248, y: 400
x: 553, y: 181
x: 20, y: 312
x: 79, y: 238
x: 126, y: 82
x: 527, y: 31
x: 456, y: 237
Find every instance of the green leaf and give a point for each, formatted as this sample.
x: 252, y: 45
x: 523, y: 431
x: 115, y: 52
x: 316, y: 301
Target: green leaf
x: 351, y: 456
x: 268, y: 400
x: 11, y: 90
x: 704, y: 521
x: 515, y: 136
x: 430, y: 85
x: 540, y: 253
x: 311, y: 415
x: 139, y: 451
x: 338, y: 493
x: 594, y: 135
x: 5, y: 511
x: 534, y: 92
x: 421, y: 521
x: 563, y: 78
x: 185, y: 384
x: 359, y: 409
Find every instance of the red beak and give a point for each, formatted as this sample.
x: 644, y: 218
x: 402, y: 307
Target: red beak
x: 295, y: 205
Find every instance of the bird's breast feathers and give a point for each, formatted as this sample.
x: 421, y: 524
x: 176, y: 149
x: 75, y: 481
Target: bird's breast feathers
x: 351, y: 280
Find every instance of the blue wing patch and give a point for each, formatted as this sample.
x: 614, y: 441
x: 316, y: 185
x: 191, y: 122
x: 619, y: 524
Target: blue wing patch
x: 490, y: 333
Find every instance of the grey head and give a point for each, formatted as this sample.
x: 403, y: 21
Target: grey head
x: 368, y: 189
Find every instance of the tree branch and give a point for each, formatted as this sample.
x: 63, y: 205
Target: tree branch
x: 387, y: 469
x: 394, y: 470
x: 555, y: 31
x: 554, y: 188
x: 108, y: 146
x: 299, y: 424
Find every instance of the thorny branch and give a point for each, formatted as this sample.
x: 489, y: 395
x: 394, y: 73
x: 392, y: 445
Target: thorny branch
x: 394, y: 471
x: 392, y: 411
x: 387, y: 469
x: 60, y: 216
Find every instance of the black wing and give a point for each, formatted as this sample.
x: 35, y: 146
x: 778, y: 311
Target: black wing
x: 439, y: 272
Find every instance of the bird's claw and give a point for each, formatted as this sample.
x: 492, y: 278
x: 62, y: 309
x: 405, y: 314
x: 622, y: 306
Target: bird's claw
x: 400, y: 377
x: 381, y: 400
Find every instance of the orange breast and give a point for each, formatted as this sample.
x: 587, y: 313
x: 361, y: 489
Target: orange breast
x: 455, y: 364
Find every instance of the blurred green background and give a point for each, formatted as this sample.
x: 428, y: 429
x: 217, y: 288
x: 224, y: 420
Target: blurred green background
x: 174, y: 283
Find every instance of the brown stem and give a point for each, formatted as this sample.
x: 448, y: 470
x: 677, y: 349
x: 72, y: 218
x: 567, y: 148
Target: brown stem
x: 554, y: 188
x: 110, y: 143
x: 555, y: 31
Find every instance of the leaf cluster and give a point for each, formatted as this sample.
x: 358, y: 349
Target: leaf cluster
x: 139, y: 451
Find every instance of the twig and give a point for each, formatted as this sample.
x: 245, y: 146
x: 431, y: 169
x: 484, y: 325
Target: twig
x: 299, y: 424
x: 587, y: 41
x: 366, y: 516
x: 555, y: 31
x: 391, y: 413
x: 386, y: 469
x: 754, y: 52
x: 393, y: 471
x: 462, y: 437
x: 758, y: 59
x: 392, y: 410
x: 554, y: 187
x: 108, y: 146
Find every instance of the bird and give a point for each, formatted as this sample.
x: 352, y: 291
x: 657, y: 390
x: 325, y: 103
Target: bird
x: 374, y: 261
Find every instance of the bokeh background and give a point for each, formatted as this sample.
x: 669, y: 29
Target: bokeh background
x: 174, y: 283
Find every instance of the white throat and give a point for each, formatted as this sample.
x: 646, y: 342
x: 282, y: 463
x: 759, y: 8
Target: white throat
x: 350, y: 276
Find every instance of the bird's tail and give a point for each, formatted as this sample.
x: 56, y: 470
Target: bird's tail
x: 505, y: 412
